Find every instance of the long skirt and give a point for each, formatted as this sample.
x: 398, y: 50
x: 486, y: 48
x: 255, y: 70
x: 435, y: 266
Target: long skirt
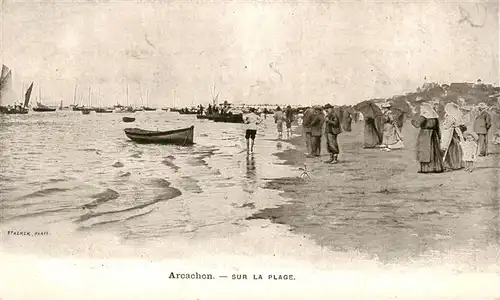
x: 371, y: 136
x: 347, y: 126
x: 436, y: 162
x: 454, y: 154
x: 331, y: 143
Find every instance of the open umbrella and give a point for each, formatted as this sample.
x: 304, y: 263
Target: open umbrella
x: 400, y: 105
x: 368, y: 108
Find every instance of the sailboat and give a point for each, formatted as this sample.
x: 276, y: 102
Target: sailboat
x: 102, y: 110
x: 39, y: 106
x: 84, y: 110
x: 6, y: 94
x: 147, y: 108
x: 124, y: 109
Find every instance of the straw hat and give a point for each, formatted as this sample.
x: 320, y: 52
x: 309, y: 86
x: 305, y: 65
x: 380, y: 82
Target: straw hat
x: 482, y: 105
x: 473, y: 134
x: 327, y: 106
x: 386, y: 105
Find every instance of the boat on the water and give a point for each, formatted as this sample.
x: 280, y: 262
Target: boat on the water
x: 188, y: 112
x: 7, y: 94
x: 43, y: 108
x: 85, y: 111
x: 181, y: 137
x: 103, y: 111
x: 128, y: 119
x: 206, y: 117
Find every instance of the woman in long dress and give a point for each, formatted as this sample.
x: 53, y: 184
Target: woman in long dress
x: 428, y: 151
x: 392, y: 138
x: 452, y: 137
x: 373, y: 131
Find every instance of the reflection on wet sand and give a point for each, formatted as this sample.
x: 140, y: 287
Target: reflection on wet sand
x: 250, y: 181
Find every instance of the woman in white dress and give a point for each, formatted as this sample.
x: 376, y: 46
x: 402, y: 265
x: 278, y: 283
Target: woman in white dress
x: 392, y: 138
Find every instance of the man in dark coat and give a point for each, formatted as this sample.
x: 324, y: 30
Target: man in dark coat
x: 306, y: 126
x: 482, y: 125
x: 318, y: 119
x: 332, y: 130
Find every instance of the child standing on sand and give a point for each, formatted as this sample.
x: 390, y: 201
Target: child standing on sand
x: 469, y: 148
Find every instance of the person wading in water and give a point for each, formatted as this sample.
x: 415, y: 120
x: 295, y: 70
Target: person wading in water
x: 251, y: 120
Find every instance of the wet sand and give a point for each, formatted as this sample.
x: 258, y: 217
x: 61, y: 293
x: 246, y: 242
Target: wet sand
x: 376, y: 203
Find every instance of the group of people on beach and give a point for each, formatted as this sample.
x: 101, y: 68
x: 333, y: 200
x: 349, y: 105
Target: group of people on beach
x: 451, y: 145
x: 442, y: 143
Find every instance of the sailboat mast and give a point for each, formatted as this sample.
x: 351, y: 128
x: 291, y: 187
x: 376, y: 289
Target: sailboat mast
x: 74, y: 96
x: 147, y: 97
x: 127, y: 94
x: 40, y: 94
x: 90, y: 99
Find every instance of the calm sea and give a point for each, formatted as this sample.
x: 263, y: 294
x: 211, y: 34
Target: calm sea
x: 81, y: 171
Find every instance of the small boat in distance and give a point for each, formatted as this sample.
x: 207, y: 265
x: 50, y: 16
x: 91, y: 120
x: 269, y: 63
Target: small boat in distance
x: 85, y: 111
x: 41, y: 107
x: 128, y: 119
x: 103, y: 111
x: 181, y: 137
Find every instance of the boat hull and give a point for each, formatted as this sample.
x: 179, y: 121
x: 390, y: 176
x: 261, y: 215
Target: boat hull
x: 128, y: 119
x: 43, y: 109
x: 183, y: 137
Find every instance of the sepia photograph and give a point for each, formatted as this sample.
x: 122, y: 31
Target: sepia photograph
x: 249, y: 149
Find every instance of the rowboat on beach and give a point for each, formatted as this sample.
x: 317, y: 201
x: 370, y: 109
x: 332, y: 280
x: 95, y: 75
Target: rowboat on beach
x: 128, y: 119
x: 181, y: 137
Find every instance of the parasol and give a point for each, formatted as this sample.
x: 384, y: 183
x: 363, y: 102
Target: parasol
x: 368, y: 108
x: 400, y: 105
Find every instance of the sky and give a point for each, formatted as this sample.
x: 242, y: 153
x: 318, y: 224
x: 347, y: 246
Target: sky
x: 292, y: 52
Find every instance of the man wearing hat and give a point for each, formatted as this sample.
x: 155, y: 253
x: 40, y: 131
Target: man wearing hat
x: 317, y: 121
x: 306, y: 126
x: 332, y: 129
x: 482, y: 125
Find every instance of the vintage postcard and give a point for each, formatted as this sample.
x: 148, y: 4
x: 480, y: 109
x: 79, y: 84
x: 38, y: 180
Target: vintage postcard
x: 249, y: 149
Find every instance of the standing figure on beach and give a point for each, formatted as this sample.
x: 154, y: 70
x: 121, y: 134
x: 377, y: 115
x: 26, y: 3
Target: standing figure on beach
x: 252, y: 121
x: 391, y: 137
x: 279, y: 118
x: 451, y: 137
x: 317, y: 122
x: 428, y: 151
x: 470, y: 149
x: 306, y: 126
x: 332, y: 129
x: 348, y: 122
x: 289, y: 115
x: 482, y: 125
x: 373, y: 131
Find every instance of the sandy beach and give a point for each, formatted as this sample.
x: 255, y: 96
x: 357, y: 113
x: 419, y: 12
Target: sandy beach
x: 375, y: 202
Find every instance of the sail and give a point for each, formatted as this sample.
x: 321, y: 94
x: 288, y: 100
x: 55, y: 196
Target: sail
x: 5, y: 71
x: 7, y: 94
x: 28, y: 95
